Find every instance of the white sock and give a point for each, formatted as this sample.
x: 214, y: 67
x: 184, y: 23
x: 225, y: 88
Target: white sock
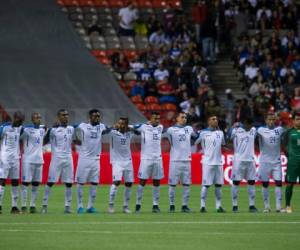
x: 139, y: 194
x: 234, y: 194
x: 112, y: 193
x: 92, y: 196
x: 185, y: 195
x: 278, y: 197
x: 203, y: 195
x: 127, y: 195
x: 79, y: 195
x: 14, y: 196
x: 251, y: 194
x: 2, y: 189
x: 34, y: 190
x: 24, y: 195
x: 46, y: 195
x: 68, y: 196
x: 265, y: 192
x: 218, y: 195
x: 155, y: 194
x: 172, y: 195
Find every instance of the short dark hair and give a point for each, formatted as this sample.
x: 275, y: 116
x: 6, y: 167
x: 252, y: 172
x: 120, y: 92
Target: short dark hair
x: 34, y: 113
x: 209, y: 115
x: 179, y: 113
x: 270, y: 113
x: 294, y: 114
x: 60, y: 111
x: 19, y: 114
x: 92, y: 111
x: 155, y: 113
x: 124, y: 119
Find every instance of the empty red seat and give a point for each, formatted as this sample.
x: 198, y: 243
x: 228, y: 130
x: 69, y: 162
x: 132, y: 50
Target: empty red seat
x: 151, y: 99
x: 141, y: 107
x: 101, y: 3
x: 169, y: 107
x: 144, y: 4
x: 116, y: 3
x: 153, y: 107
x: 136, y: 99
x: 130, y: 54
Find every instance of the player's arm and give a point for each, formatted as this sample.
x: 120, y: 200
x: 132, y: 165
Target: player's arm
x: 194, y: 136
x: 47, y: 137
x: 107, y: 130
x: 77, y: 135
x: 285, y: 141
x: 137, y: 128
x: 2, y: 129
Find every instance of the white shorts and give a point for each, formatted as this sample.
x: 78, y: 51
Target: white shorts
x: 88, y: 170
x: 122, y: 169
x: 32, y: 172
x: 243, y: 170
x: 212, y: 174
x: 10, y: 170
x: 180, y: 171
x: 62, y: 169
x: 269, y: 170
x: 151, y: 169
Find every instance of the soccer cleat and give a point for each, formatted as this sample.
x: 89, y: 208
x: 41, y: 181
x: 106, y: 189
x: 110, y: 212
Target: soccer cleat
x: 289, y: 209
x: 155, y: 209
x: 81, y: 210
x: 126, y: 210
x: 203, y: 210
x: 137, y: 208
x: 267, y: 210
x: 15, y: 210
x: 0, y: 209
x: 92, y: 210
x: 235, y: 209
x: 185, y: 209
x: 32, y: 210
x: 172, y: 209
x: 282, y: 210
x: 111, y: 209
x: 67, y: 210
x: 24, y: 210
x: 253, y: 209
x: 221, y: 210
x: 44, y: 209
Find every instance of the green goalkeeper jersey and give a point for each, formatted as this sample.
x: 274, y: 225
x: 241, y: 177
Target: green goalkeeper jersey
x: 293, y: 144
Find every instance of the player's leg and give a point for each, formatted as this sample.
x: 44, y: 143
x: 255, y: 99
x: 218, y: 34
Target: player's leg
x: 128, y: 179
x: 207, y: 181
x: 36, y: 180
x: 173, y: 181
x: 292, y: 174
x: 185, y: 179
x: 27, y: 171
x: 143, y: 175
x: 67, y: 179
x: 264, y: 173
x: 157, y: 174
x: 236, y: 178
x: 277, y: 176
x: 93, y: 178
x: 14, y: 175
x: 250, y: 177
x: 3, y: 177
x: 117, y: 174
x: 81, y: 178
x: 219, y: 181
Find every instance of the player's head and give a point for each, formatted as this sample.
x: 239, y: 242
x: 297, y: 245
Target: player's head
x: 123, y: 124
x: 63, y: 116
x: 270, y: 119
x: 155, y: 119
x: 95, y: 116
x: 181, y: 118
x: 212, y: 121
x: 36, y: 119
x: 296, y: 119
x: 19, y: 118
x: 248, y: 122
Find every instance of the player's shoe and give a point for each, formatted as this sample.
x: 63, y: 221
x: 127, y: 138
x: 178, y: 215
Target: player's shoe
x: 24, y: 210
x: 44, y: 209
x: 221, y: 210
x: 267, y: 210
x: 281, y: 210
x: 155, y: 209
x: 185, y: 209
x: 67, y: 210
x: 81, y: 210
x: 32, y: 210
x: 92, y: 210
x: 172, y: 209
x: 15, y: 210
x: 235, y: 209
x: 126, y: 210
x: 253, y: 209
x: 203, y: 210
x: 289, y: 209
x: 137, y: 208
x: 111, y: 209
x: 0, y: 209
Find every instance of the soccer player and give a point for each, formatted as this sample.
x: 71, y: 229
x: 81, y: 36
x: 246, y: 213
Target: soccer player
x: 180, y: 137
x: 120, y: 158
x: 32, y: 160
x: 212, y: 139
x: 269, y: 138
x: 61, y: 167
x: 10, y: 159
x: 243, y: 137
x: 292, y: 143
x: 90, y: 136
x: 151, y: 161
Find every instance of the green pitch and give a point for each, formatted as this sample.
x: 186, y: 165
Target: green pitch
x: 57, y: 231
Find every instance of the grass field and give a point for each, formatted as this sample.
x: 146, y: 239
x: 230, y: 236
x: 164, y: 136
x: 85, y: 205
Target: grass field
x: 56, y: 230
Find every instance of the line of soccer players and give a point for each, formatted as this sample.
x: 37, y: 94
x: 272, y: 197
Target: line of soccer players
x: 88, y: 138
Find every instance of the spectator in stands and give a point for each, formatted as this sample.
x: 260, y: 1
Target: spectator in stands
x: 295, y: 101
x: 119, y: 62
x: 138, y: 89
x: 229, y: 107
x: 158, y: 38
x: 127, y: 16
x: 199, y: 13
x: 161, y: 73
x: 169, y: 20
x: 186, y: 103
x: 95, y: 27
x: 243, y: 110
x: 153, y: 24
x: 282, y: 103
x: 208, y: 35
x: 150, y: 87
x: 192, y: 116
x: 241, y: 20
x: 140, y: 27
x: 145, y: 73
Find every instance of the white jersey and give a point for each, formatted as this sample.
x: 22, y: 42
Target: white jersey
x: 211, y: 143
x: 269, y: 144
x: 33, y: 144
x: 243, y: 143
x: 180, y: 140
x: 150, y: 141
x: 61, y: 139
x: 10, y: 145
x: 91, y: 140
x: 120, y: 146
